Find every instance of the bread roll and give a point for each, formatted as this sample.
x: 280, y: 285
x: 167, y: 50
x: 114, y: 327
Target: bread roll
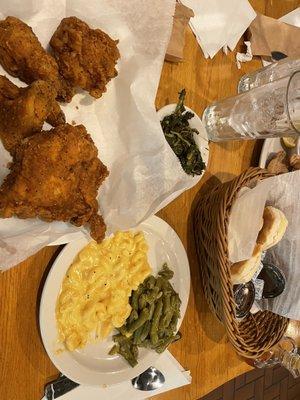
x: 274, y: 227
x: 243, y: 271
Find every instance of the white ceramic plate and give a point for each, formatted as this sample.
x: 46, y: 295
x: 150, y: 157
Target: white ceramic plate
x: 201, y: 140
x: 271, y: 147
x: 92, y: 365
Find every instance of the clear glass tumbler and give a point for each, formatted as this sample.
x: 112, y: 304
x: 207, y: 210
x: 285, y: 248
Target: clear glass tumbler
x: 276, y: 70
x: 267, y: 111
x: 284, y: 353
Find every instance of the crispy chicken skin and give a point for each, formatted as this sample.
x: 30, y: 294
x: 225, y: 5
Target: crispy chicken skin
x: 8, y: 90
x: 22, y: 56
x: 55, y: 175
x: 86, y: 57
x: 24, y: 110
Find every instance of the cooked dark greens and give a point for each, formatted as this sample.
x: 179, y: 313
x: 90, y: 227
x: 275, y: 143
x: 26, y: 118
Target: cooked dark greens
x: 180, y: 137
x: 153, y: 319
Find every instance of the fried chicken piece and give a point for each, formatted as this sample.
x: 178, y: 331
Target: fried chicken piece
x: 8, y: 90
x: 55, y: 175
x: 22, y: 56
x: 86, y: 57
x: 279, y: 164
x: 24, y: 110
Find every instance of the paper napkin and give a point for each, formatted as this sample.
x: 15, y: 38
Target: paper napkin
x: 181, y: 19
x: 219, y: 23
x: 173, y: 372
x: 269, y: 34
x: 292, y: 18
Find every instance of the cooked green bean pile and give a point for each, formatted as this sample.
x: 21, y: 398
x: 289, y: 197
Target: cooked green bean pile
x: 153, y: 319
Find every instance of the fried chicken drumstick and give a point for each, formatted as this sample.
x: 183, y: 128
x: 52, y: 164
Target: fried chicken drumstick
x: 22, y: 56
x: 24, y: 110
x: 86, y: 57
x: 55, y: 175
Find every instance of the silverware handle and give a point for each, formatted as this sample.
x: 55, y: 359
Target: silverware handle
x: 59, y: 387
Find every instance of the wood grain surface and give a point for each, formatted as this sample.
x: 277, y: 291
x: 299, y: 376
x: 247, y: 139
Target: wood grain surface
x: 204, y: 349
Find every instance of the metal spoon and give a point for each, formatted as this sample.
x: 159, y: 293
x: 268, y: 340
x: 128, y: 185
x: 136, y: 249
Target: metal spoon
x: 151, y: 379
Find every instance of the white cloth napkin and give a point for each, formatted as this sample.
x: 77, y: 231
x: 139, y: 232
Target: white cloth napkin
x: 219, y: 23
x: 173, y: 372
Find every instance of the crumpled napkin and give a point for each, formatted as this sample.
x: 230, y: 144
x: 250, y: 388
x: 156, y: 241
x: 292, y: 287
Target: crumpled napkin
x: 181, y: 19
x: 292, y: 18
x: 219, y: 23
x: 268, y: 35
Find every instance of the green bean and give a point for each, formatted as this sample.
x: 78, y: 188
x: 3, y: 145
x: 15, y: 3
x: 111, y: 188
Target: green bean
x: 170, y: 309
x: 167, y: 310
x: 148, y: 297
x: 146, y: 343
x: 160, y: 282
x: 143, y: 317
x: 135, y: 351
x: 178, y: 301
x: 159, y: 295
x: 146, y: 329
x: 153, y: 294
x: 114, y: 350
x: 173, y: 323
x: 162, y: 347
x: 120, y: 338
x: 129, y: 354
x: 161, y: 333
x: 166, y: 319
x: 137, y: 334
x: 173, y: 301
x: 126, y: 350
x: 155, y: 321
x: 142, y: 301
x: 122, y: 330
x: 151, y: 312
x: 165, y: 272
x: 135, y: 297
x: 150, y: 282
x: 133, y: 316
x: 167, y: 303
x: 168, y: 287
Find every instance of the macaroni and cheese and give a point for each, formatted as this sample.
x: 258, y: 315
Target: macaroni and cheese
x: 95, y: 291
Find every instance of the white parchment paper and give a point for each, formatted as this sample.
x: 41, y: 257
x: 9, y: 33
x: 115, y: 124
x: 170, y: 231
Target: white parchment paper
x: 144, y: 172
x: 282, y: 192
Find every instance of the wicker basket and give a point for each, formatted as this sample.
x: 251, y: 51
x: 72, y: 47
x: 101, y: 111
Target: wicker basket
x: 256, y: 333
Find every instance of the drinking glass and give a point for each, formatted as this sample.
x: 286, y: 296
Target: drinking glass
x: 267, y: 111
x: 276, y: 70
x: 284, y: 353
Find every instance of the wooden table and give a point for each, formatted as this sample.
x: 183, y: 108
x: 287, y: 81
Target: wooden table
x: 204, y: 349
